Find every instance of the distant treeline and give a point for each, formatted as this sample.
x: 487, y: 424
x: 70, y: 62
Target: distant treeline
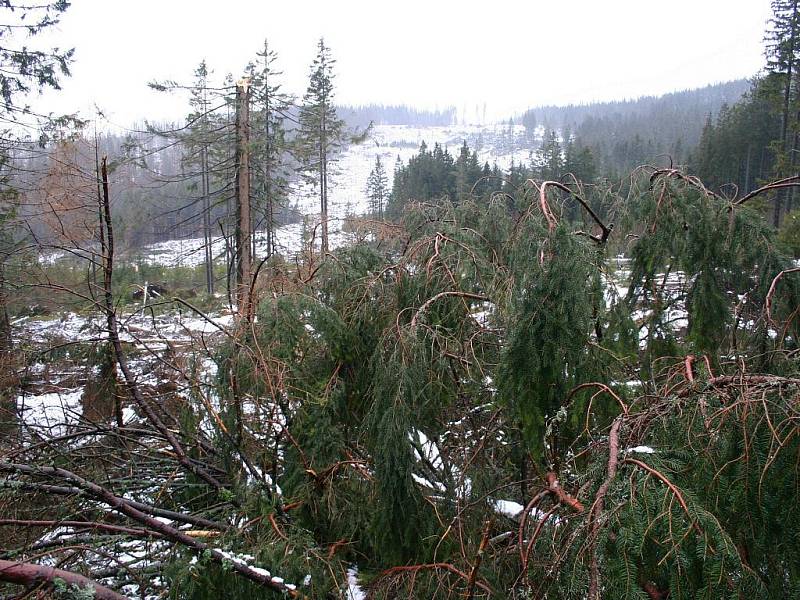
x: 436, y: 174
x: 397, y: 114
x: 739, y: 149
x: 625, y: 134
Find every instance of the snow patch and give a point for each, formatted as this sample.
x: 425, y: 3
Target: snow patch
x: 354, y: 591
x: 641, y: 450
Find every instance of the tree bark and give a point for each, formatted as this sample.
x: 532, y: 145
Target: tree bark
x: 29, y: 574
x: 323, y: 177
x: 777, y: 211
x: 243, y: 219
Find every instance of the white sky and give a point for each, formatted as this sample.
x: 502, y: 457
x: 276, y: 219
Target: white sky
x: 509, y: 54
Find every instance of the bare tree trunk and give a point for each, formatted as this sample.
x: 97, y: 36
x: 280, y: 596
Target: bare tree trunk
x: 5, y: 324
x: 323, y: 178
x: 8, y: 391
x: 746, y: 186
x: 107, y: 256
x: 107, y: 241
x: 268, y: 207
x: 207, y: 237
x: 243, y: 218
x: 786, y: 145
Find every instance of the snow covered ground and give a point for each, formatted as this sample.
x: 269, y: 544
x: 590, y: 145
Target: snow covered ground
x: 349, y: 180
x: 51, y: 399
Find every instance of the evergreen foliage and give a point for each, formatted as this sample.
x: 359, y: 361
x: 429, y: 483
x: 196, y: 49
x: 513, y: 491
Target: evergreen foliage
x: 549, y: 158
x: 434, y: 175
x: 737, y: 147
x: 487, y: 355
x: 625, y: 134
x: 756, y: 140
x: 377, y: 188
x: 789, y: 234
x: 480, y: 400
x: 22, y: 68
x: 270, y: 146
x: 321, y: 131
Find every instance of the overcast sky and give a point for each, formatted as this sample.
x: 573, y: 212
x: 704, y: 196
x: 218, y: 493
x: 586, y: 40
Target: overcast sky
x: 511, y: 55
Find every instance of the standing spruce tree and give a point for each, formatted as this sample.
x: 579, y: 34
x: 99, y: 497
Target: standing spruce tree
x: 467, y: 171
x: 321, y: 132
x: 377, y: 188
x: 739, y: 147
x: 783, y: 51
x: 206, y: 141
x: 197, y: 148
x: 548, y: 159
x: 268, y: 143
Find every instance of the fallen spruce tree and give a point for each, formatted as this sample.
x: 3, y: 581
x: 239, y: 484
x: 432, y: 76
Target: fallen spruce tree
x: 483, y: 401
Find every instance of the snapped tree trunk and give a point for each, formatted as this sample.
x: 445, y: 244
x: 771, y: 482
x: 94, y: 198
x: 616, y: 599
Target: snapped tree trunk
x: 243, y: 219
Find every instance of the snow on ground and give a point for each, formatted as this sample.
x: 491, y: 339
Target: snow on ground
x: 53, y: 411
x: 51, y: 399
x: 347, y: 196
x: 69, y: 326
x: 354, y: 591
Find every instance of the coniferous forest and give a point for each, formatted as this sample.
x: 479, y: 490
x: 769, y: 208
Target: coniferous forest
x: 288, y: 347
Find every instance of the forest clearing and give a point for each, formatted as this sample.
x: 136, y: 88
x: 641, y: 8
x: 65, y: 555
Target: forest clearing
x: 284, y: 346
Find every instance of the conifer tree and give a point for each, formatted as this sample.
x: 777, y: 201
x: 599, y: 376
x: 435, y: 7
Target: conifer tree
x: 207, y: 142
x: 579, y: 161
x: 270, y: 177
x: 377, y: 188
x: 783, y: 52
x: 23, y: 69
x: 321, y: 132
x: 197, y: 145
x: 467, y: 172
x: 549, y: 160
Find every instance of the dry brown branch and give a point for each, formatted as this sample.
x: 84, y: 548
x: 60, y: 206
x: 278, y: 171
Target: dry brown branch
x: 421, y: 310
x: 523, y: 520
x: 663, y: 478
x: 744, y: 379
x: 688, y: 369
x: 792, y: 181
x: 603, y: 387
x: 563, y: 497
x: 473, y: 575
x: 107, y: 235
x: 653, y: 592
x: 597, y: 508
x: 80, y: 525
x: 431, y: 566
x: 124, y: 507
x: 691, y: 180
x: 30, y: 575
x: 539, y: 526
x: 275, y: 527
x: 771, y: 292
x: 551, y: 218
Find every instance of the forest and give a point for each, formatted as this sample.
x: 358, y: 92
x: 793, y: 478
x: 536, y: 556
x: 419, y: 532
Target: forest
x: 287, y: 347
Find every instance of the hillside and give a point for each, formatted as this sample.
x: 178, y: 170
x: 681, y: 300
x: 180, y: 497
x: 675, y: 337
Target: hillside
x: 624, y: 134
